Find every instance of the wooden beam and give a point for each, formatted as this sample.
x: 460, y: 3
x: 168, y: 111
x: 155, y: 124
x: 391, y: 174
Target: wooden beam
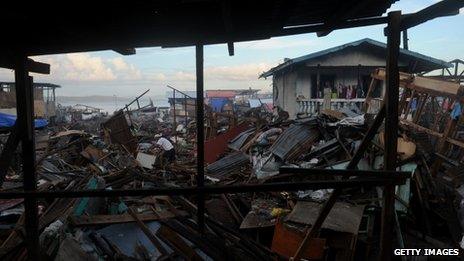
x: 342, y: 13
x: 230, y: 48
x: 369, y: 94
x: 146, y: 230
x: 176, y: 241
x: 200, y: 123
x: 420, y: 108
x: 25, y: 122
x: 31, y: 65
x: 405, y: 40
x: 443, y: 144
x: 115, y: 219
x: 442, y: 8
x: 391, y: 131
x: 125, y: 51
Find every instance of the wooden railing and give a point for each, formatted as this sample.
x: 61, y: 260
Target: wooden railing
x: 313, y: 106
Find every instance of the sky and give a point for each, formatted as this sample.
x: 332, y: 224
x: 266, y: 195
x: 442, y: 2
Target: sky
x: 109, y: 73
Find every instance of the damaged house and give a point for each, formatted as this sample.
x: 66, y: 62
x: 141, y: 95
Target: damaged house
x: 341, y: 73
x: 44, y: 99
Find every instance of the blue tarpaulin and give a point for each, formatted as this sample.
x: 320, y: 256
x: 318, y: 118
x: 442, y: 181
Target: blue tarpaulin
x: 8, y: 120
x: 218, y: 103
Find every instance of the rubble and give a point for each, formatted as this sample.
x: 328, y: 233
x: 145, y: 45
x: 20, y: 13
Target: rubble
x: 246, y: 226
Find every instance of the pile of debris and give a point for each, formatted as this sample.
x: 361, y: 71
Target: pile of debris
x: 257, y: 149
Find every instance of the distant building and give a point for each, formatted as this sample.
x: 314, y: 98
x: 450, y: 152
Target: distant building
x: 182, y: 104
x: 342, y: 72
x: 44, y: 99
x: 225, y: 100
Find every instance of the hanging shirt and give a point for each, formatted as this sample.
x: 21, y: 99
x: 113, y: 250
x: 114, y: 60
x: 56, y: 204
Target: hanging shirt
x: 414, y: 104
x: 165, y: 144
x: 457, y: 110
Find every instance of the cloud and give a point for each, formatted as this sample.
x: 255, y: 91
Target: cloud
x: 95, y: 74
x: 85, y: 67
x: 243, y: 72
x: 124, y: 70
x: 156, y: 76
x: 183, y: 76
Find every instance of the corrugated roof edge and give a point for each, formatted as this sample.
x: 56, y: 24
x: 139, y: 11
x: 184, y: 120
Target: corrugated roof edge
x: 352, y: 44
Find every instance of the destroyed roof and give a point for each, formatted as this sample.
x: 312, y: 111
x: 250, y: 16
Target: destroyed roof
x: 163, y: 23
x: 230, y: 93
x: 424, y: 62
x: 220, y: 93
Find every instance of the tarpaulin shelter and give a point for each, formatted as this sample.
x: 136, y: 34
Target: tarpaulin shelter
x: 9, y: 120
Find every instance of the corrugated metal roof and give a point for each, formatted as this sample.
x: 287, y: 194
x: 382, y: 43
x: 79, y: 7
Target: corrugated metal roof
x: 258, y: 102
x: 294, y: 141
x: 220, y: 94
x: 240, y: 140
x: 227, y: 165
x: 432, y: 62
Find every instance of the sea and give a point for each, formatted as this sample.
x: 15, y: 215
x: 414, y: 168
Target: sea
x: 112, y: 106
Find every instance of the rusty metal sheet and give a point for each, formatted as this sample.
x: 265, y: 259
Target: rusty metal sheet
x: 241, y: 139
x: 343, y: 217
x: 218, y: 145
x: 287, y: 240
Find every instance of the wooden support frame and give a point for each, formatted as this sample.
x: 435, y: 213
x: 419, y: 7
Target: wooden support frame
x: 31, y: 65
x: 408, y: 107
x: 25, y: 121
x: 125, y: 51
x: 200, y: 137
x: 391, y: 131
x: 442, y: 8
x: 344, y: 11
x: 420, y: 108
x: 369, y: 93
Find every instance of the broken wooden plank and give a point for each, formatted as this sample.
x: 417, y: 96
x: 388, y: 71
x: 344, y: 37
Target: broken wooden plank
x: 173, y: 238
x: 146, y: 230
x: 115, y: 219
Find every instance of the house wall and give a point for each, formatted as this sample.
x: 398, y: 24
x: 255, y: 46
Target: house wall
x: 352, y: 57
x: 297, y: 84
x: 347, y: 66
x: 343, y: 75
x: 284, y: 92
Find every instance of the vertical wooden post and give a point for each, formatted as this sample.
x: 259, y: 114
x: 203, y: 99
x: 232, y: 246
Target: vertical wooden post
x: 402, y: 101
x: 200, y: 138
x: 391, y: 130
x: 420, y: 108
x: 318, y: 82
x: 408, y: 107
x: 185, y: 111
x: 369, y: 95
x: 174, y: 125
x: 25, y: 123
x: 405, y: 39
x: 443, y: 144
